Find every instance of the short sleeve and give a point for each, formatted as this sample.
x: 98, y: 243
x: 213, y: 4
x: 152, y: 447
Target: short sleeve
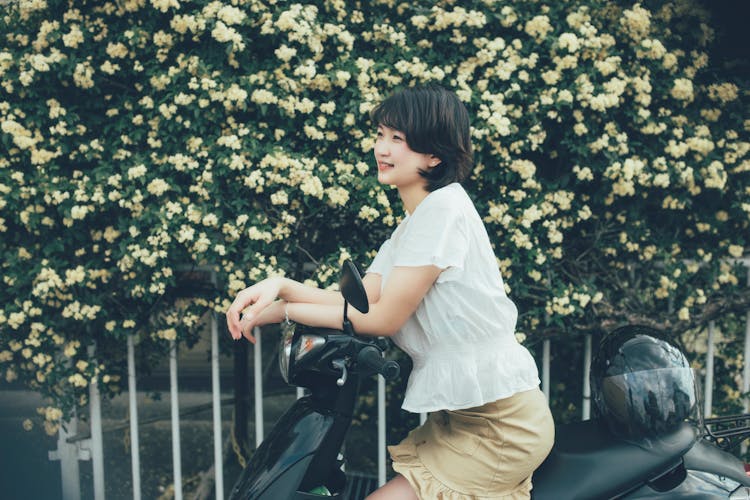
x: 380, y: 262
x: 435, y: 236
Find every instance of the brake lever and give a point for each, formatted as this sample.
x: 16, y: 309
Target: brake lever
x: 340, y: 364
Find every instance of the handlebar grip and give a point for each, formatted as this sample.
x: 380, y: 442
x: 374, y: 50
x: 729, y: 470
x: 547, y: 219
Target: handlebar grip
x: 371, y: 357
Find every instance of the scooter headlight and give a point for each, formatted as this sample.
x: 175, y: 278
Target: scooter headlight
x: 290, y: 351
x: 306, y: 345
x: 285, y: 349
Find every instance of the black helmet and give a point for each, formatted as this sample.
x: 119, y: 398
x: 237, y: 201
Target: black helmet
x: 641, y: 383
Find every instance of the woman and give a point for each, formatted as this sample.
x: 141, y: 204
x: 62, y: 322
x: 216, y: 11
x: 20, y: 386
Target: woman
x: 435, y: 288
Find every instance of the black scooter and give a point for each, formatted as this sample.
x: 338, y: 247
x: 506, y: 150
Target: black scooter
x: 301, y: 458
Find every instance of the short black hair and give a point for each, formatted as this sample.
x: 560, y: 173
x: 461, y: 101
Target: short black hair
x: 435, y: 122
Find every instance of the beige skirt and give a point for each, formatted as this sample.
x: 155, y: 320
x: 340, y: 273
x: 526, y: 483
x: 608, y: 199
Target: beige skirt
x: 478, y: 453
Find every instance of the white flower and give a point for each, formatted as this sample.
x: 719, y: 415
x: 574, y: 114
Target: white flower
x: 285, y: 53
x: 525, y: 168
x: 77, y: 380
x: 280, y: 198
x: 137, y: 171
x: 263, y: 96
x: 736, y: 251
x: 225, y: 34
x: 569, y: 41
x: 682, y: 89
x: 684, y: 314
x: 186, y: 233
x: 157, y: 187
x: 636, y: 22
x: 78, y: 212
x: 230, y: 15
x: 724, y: 92
x: 538, y: 27
x: 165, y: 5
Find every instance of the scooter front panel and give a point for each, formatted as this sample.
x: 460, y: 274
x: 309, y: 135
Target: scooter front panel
x: 278, y: 465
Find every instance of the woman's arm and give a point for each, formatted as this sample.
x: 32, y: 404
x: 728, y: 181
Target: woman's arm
x: 404, y: 290
x: 294, y: 291
x: 261, y: 296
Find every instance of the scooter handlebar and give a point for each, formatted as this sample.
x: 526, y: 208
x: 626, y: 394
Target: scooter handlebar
x: 371, y: 357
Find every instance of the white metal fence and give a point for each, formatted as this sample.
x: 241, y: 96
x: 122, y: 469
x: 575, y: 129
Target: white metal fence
x: 70, y: 449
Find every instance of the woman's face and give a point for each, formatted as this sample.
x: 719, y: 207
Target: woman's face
x: 398, y: 165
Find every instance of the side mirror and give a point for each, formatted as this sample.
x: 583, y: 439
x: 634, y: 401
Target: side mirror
x: 352, y: 288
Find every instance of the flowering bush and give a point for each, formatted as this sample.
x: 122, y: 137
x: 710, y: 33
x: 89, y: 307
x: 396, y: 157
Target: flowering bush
x: 142, y: 137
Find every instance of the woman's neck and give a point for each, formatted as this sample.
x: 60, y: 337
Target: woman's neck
x: 412, y: 196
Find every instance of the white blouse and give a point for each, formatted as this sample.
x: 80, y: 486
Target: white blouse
x: 461, y: 337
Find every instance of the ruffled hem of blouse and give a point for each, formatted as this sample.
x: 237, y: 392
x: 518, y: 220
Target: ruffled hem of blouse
x: 406, y: 462
x: 484, y: 377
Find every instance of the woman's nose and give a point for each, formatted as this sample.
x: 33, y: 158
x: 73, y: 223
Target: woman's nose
x: 381, y: 148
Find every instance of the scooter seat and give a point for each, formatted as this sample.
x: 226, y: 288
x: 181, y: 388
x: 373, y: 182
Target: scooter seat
x: 588, y: 462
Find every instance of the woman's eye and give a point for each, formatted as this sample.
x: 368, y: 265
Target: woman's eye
x: 398, y: 138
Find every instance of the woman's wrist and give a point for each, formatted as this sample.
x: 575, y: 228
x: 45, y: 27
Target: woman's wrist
x: 280, y: 314
x: 273, y: 313
x: 281, y: 285
x: 286, y: 312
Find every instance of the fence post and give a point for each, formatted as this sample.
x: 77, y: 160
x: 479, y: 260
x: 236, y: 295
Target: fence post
x: 68, y: 454
x: 746, y: 371
x: 174, y: 404
x: 216, y: 399
x: 545, y: 367
x: 97, y: 447
x: 135, y: 457
x: 709, y: 389
x: 258, y: 380
x: 586, y: 384
x: 381, y: 430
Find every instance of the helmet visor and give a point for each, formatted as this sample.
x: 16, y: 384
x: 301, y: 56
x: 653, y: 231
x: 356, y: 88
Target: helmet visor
x: 649, y: 402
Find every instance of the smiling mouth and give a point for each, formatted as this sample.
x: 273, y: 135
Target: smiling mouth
x: 384, y: 166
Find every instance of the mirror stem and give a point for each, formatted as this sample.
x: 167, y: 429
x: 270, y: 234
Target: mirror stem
x: 348, y: 328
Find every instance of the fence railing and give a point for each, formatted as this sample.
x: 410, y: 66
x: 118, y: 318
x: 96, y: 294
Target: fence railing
x: 71, y: 447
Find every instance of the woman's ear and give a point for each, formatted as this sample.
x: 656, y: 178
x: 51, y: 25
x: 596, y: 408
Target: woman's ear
x: 433, y: 161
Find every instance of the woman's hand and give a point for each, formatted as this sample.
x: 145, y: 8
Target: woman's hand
x: 258, y: 297
x: 273, y: 313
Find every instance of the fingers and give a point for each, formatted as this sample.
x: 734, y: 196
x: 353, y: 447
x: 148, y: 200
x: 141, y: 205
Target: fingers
x: 242, y: 323
x: 244, y: 312
x: 256, y: 308
x: 234, y: 313
x: 247, y: 324
x: 247, y: 332
x: 233, y: 320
